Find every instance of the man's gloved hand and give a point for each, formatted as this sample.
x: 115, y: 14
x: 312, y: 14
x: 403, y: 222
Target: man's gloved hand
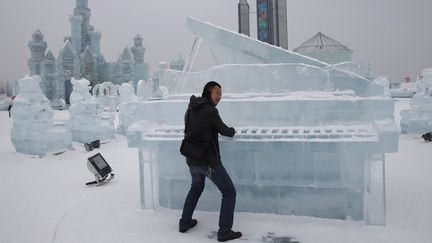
x: 234, y: 132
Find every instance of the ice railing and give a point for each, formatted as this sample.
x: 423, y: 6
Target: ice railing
x: 325, y: 133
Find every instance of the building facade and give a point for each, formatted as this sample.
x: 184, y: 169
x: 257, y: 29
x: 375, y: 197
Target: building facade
x: 243, y: 17
x: 272, y: 22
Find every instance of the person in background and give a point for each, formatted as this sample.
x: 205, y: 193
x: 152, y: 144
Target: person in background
x: 9, y: 109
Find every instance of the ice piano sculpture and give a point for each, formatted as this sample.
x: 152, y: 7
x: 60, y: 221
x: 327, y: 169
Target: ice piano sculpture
x: 302, y: 147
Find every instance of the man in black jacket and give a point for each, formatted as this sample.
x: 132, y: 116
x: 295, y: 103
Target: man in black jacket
x: 204, y: 124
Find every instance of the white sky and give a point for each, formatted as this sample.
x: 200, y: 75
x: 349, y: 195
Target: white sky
x: 393, y: 35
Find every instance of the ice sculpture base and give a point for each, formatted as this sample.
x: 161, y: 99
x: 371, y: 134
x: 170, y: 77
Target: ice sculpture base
x: 327, y: 172
x: 57, y: 139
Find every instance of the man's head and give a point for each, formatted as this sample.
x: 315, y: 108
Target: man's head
x: 213, y: 92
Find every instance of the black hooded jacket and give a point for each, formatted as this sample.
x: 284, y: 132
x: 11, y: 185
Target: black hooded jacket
x: 204, y: 124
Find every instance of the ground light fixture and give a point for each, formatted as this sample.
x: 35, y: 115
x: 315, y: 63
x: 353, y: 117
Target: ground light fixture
x: 99, y: 167
x: 427, y: 137
x: 92, y: 145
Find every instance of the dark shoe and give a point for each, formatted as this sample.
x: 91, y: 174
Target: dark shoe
x: 231, y: 235
x: 185, y: 226
x: 427, y: 137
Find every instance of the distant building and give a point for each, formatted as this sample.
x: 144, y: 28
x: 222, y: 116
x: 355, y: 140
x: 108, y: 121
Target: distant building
x: 272, y: 22
x: 81, y: 57
x: 325, y: 49
x: 243, y: 17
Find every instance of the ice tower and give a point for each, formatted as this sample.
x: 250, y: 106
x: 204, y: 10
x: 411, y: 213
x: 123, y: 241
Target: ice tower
x: 51, y: 86
x: 81, y: 57
x: 89, y: 66
x: 82, y: 13
x: 124, y: 64
x: 95, y: 41
x: 68, y: 66
x: 37, y: 49
x: 140, y: 69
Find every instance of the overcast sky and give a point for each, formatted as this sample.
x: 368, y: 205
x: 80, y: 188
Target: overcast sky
x: 395, y: 36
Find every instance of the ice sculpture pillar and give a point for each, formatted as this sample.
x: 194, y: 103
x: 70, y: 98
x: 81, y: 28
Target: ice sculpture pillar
x: 37, y: 48
x: 140, y: 69
x: 76, y: 32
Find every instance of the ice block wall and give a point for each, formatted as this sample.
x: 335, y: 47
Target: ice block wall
x: 306, y: 178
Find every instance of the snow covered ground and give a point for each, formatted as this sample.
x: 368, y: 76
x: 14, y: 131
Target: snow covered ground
x: 46, y: 200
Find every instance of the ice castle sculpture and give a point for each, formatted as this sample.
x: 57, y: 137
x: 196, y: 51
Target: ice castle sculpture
x: 81, y: 57
x: 311, y: 137
x: 34, y: 131
x: 88, y: 120
x: 419, y: 118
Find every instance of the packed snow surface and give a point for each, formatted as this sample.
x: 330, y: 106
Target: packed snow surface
x: 46, y: 200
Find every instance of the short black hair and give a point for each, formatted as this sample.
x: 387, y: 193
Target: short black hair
x: 208, y: 88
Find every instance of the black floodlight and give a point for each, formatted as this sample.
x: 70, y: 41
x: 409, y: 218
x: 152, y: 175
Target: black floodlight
x: 100, y: 168
x: 427, y: 137
x: 92, y: 145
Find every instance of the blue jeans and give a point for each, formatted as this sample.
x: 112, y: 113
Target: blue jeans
x: 222, y: 180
